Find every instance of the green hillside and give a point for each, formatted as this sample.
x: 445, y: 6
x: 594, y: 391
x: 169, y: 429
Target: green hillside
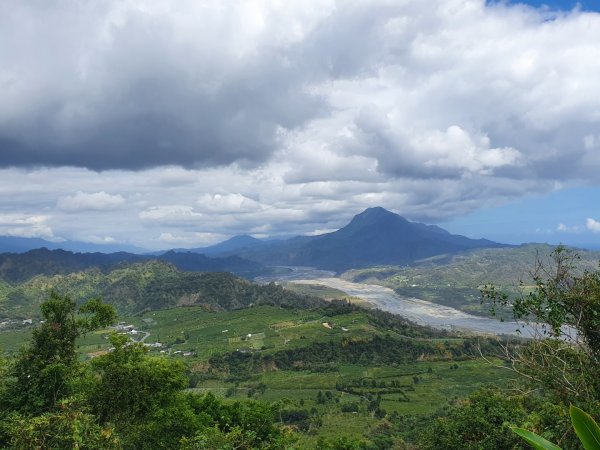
x: 146, y: 286
x: 202, y: 360
x: 335, y: 369
x: 456, y: 280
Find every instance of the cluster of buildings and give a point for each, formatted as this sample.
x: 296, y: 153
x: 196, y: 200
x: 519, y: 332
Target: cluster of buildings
x: 15, y: 323
x: 125, y: 328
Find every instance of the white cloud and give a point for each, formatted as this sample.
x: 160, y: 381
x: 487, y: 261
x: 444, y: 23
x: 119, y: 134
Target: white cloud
x: 590, y: 142
x: 190, y: 239
x: 170, y: 214
x: 25, y: 226
x: 101, y: 239
x: 296, y: 115
x: 96, y: 201
x: 227, y: 203
x: 568, y: 229
x: 592, y: 225
x: 318, y: 232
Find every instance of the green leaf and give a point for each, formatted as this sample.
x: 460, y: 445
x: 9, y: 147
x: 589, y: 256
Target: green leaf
x: 586, y: 428
x: 537, y: 442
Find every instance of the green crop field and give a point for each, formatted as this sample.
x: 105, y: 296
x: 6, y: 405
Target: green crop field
x: 336, y: 400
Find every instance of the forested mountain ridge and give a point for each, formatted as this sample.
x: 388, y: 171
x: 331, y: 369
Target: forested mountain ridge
x: 147, y: 286
x: 19, y: 267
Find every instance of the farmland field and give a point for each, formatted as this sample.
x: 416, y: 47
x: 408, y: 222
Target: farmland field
x: 336, y: 400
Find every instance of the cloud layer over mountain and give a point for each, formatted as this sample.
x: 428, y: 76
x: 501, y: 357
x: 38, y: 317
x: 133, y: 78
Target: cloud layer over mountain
x: 167, y: 119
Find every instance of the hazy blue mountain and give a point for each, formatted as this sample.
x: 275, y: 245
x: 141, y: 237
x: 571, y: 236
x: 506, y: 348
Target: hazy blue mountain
x: 86, y: 247
x: 374, y: 237
x: 232, y: 245
x: 19, y: 245
x: 11, y: 244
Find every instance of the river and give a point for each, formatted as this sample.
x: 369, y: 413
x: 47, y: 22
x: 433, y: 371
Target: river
x: 419, y: 311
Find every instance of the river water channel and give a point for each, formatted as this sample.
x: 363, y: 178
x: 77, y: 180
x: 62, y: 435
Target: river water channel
x: 420, y: 311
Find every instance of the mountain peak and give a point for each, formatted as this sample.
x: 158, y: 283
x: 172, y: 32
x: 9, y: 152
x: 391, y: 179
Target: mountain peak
x: 376, y: 216
x: 376, y: 211
x: 377, y: 236
x: 234, y: 244
x: 242, y: 239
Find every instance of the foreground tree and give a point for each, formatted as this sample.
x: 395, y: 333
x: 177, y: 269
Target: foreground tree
x: 142, y: 396
x: 125, y: 399
x: 47, y: 370
x: 562, y: 362
x: 564, y: 308
x: 42, y: 404
x: 69, y: 427
x: 481, y: 421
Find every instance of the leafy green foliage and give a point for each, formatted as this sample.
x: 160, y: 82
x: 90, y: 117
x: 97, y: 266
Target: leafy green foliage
x: 537, y: 442
x: 481, y: 422
x: 131, y: 384
x: 586, y: 428
x: 125, y: 399
x: 44, y: 373
x: 243, y: 425
x: 67, y: 427
x: 565, y: 307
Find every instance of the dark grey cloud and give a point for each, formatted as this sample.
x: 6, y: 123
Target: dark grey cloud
x: 135, y: 85
x: 141, y: 92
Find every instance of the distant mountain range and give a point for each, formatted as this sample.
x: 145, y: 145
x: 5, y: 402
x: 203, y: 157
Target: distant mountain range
x: 12, y: 244
x: 234, y: 244
x: 19, y: 267
x: 374, y: 237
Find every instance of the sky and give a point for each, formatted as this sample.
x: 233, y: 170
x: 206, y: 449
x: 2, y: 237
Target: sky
x: 184, y: 122
x: 564, y: 5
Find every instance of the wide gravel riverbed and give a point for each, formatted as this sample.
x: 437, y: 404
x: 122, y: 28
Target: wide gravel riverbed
x: 417, y: 310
